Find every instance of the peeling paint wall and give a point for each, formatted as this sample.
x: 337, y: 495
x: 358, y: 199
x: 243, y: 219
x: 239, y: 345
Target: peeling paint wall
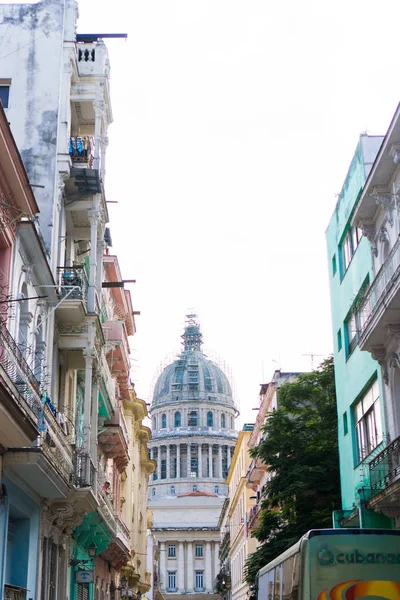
x: 31, y: 55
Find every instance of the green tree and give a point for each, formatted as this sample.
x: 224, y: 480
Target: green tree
x: 300, y: 448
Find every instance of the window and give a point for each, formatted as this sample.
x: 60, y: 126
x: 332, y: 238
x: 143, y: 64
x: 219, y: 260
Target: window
x: 339, y: 340
x: 345, y: 424
x: 223, y: 421
x: 210, y: 420
x: 172, y: 581
x: 216, y: 489
x: 177, y: 419
x: 192, y: 418
x: 334, y: 266
x: 153, y: 492
x: 199, y: 551
x: 353, y: 327
x: 195, y: 488
x: 163, y: 421
x: 172, y: 490
x: 164, y: 469
x: 199, y: 581
x: 171, y: 551
x: 5, y: 92
x: 349, y: 246
x: 368, y: 422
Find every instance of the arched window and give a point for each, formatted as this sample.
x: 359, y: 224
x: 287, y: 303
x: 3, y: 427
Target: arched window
x: 223, y: 421
x: 153, y: 491
x: 216, y: 489
x: 172, y: 490
x: 163, y: 421
x: 177, y: 419
x: 210, y: 420
x: 154, y: 423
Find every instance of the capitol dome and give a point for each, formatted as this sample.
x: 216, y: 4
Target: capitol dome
x: 193, y: 422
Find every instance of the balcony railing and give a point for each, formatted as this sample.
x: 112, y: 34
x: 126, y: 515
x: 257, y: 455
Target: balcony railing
x: 14, y: 364
x: 73, y: 282
x: 123, y: 531
x: 84, y: 472
x: 54, y: 444
x: 382, y: 284
x: 104, y: 488
x: 254, y: 510
x: 385, y: 467
x: 14, y: 592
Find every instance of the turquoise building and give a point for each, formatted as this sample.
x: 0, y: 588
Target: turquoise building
x: 359, y: 386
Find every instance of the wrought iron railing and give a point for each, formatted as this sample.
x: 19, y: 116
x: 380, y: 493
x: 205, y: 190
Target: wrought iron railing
x: 382, y: 284
x: 54, y: 444
x: 384, y: 469
x: 254, y: 510
x: 73, y: 282
x: 13, y: 592
x: 14, y: 364
x: 84, y: 472
x: 104, y: 488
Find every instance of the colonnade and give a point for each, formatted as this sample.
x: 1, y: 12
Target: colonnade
x: 192, y: 459
x: 187, y: 567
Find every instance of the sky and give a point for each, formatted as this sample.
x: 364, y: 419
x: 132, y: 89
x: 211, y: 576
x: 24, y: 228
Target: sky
x: 234, y: 125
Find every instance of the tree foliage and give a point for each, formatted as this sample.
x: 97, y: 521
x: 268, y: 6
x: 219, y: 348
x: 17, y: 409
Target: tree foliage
x: 300, y: 448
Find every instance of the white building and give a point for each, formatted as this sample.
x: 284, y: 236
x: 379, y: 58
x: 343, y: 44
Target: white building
x: 193, y: 421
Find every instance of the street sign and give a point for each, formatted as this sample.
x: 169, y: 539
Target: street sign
x: 84, y: 576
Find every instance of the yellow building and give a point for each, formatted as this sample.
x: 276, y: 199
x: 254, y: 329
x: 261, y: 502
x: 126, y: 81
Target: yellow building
x: 240, y: 503
x: 134, y: 494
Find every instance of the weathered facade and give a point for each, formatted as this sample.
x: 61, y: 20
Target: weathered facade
x: 75, y: 464
x: 193, y: 418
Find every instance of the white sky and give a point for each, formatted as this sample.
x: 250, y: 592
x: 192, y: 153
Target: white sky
x: 234, y: 125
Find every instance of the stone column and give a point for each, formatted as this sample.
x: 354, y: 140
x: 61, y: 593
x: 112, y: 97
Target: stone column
x: 158, y: 463
x: 200, y: 461
x: 220, y: 461
x: 181, y: 568
x: 190, y: 567
x: 168, y: 461
x: 216, y: 560
x: 210, y: 473
x: 163, y: 574
x: 208, y: 569
x: 87, y: 410
x: 178, y: 461
x: 188, y: 465
x: 228, y: 457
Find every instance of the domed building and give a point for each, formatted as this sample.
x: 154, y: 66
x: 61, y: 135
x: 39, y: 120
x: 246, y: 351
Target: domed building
x: 193, y: 439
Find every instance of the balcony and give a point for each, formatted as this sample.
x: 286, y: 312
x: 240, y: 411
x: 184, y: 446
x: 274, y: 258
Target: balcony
x: 47, y: 467
x: 105, y: 496
x: 20, y: 401
x: 14, y: 592
x: 72, y: 294
x: 256, y: 471
x: 108, y: 392
x: 118, y: 356
x: 84, y: 479
x: 381, y: 304
x: 114, y: 439
x: 81, y: 151
x: 253, y: 516
x: 385, y: 480
x: 123, y: 533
